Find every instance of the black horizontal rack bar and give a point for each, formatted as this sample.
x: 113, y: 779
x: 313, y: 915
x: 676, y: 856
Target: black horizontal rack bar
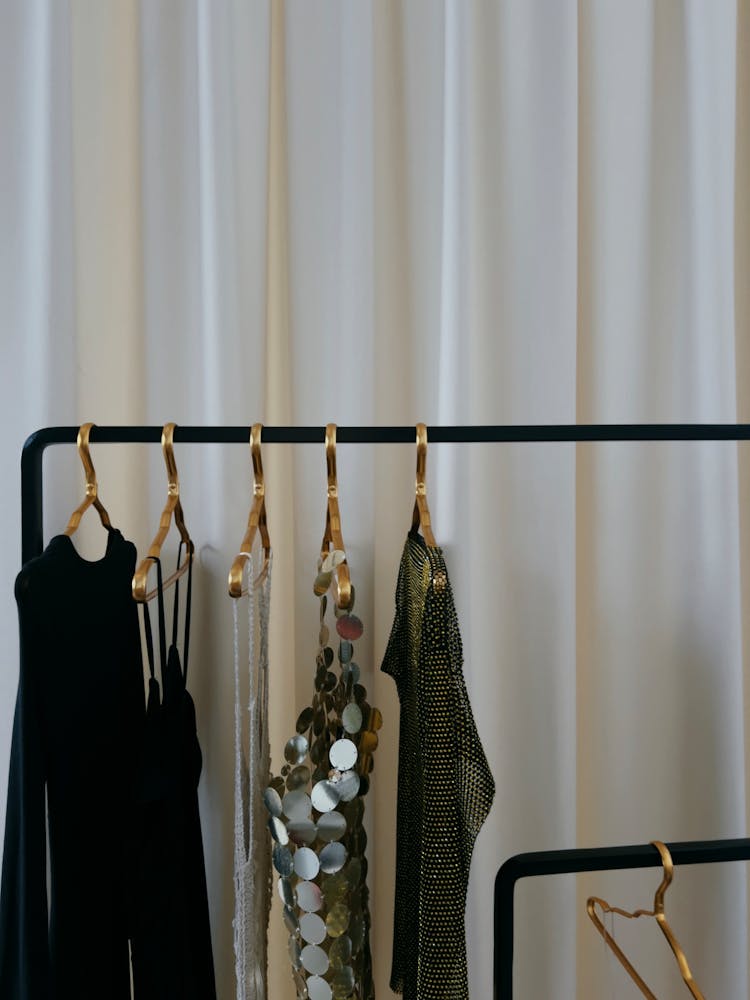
x: 597, y: 859
x: 32, y: 535
x: 522, y: 865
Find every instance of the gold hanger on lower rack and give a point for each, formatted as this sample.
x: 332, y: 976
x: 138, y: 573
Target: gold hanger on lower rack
x: 661, y: 919
x: 173, y: 507
x: 257, y: 523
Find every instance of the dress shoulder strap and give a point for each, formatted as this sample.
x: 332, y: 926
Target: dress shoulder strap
x: 188, y: 604
x: 162, y: 626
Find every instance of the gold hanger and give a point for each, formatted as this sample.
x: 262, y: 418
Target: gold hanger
x: 658, y: 913
x: 173, y: 506
x: 92, y: 489
x: 421, y: 515
x: 257, y: 523
x: 332, y: 539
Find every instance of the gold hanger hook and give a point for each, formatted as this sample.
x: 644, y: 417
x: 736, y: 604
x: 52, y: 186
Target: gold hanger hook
x: 172, y: 508
x: 257, y: 523
x: 333, y: 537
x: 167, y: 447
x: 91, y: 497
x: 82, y: 443
x: 421, y: 516
x: 333, y: 489
x: 421, y: 485
x: 668, y: 866
x: 259, y: 484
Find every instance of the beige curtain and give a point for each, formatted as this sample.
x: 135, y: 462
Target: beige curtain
x: 497, y: 212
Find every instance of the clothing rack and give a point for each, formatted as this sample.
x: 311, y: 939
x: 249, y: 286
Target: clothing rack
x: 32, y: 536
x: 597, y: 859
x: 522, y: 865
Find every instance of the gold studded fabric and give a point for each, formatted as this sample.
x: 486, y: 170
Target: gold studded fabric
x: 445, y: 787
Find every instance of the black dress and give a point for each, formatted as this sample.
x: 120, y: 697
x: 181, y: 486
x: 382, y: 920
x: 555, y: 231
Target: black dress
x: 171, y: 934
x: 445, y: 787
x: 78, y: 721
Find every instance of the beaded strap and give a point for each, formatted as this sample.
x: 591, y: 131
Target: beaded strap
x: 252, y: 870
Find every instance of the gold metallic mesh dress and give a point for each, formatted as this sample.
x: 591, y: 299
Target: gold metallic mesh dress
x: 316, y: 808
x: 445, y: 788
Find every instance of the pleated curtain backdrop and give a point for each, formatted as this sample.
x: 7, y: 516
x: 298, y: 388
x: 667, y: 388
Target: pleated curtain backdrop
x: 378, y: 213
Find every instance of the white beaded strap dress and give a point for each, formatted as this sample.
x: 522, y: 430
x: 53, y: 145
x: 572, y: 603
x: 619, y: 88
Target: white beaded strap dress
x: 252, y: 866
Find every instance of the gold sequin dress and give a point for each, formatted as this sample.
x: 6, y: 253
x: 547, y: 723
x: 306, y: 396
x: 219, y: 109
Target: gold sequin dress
x: 445, y: 788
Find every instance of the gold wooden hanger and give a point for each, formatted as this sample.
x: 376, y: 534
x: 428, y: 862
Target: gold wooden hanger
x: 332, y: 539
x: 172, y: 507
x: 421, y: 515
x: 256, y: 524
x: 92, y: 489
x: 658, y: 913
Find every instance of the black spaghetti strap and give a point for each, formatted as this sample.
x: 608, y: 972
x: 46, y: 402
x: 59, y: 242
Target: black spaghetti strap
x: 176, y: 605
x: 147, y: 626
x: 188, y: 604
x: 162, y: 617
x: 149, y: 640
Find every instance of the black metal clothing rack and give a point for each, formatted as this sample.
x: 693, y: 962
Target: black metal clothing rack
x: 522, y: 865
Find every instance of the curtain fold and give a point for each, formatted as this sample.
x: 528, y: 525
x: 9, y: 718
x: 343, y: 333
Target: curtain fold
x: 380, y: 213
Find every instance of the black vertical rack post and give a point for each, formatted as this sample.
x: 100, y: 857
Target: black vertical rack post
x: 522, y: 865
